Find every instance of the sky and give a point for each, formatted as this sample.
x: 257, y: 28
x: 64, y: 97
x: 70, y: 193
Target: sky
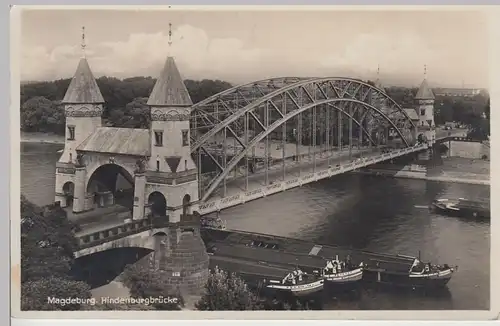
x: 243, y: 46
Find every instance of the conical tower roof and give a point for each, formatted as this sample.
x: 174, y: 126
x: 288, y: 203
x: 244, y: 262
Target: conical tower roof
x: 83, y: 88
x: 169, y: 89
x: 424, y: 92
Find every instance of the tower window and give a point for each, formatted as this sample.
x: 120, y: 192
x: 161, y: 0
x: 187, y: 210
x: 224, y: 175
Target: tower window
x: 185, y: 165
x: 71, y: 132
x: 185, y: 138
x: 422, y: 111
x: 157, y: 165
x: 158, y: 138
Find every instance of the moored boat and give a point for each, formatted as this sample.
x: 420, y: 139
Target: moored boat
x: 425, y: 274
x: 462, y: 207
x: 342, y: 272
x: 297, y: 283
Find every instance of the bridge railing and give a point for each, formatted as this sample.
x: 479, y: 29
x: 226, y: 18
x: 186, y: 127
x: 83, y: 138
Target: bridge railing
x: 188, y: 222
x: 463, y: 139
x: 113, y: 233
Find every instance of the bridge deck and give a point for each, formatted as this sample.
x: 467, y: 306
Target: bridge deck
x: 99, y: 218
x: 307, y: 164
x: 254, y: 268
x: 276, y: 149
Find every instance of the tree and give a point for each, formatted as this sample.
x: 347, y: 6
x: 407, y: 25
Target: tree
x: 443, y: 110
x: 226, y: 291
x: 41, y: 114
x: 144, y: 283
x: 402, y: 95
x: 480, y: 128
x: 47, y: 242
x: 47, y: 246
x: 136, y: 114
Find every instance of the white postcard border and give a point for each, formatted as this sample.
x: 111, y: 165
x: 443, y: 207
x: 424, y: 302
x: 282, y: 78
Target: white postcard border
x: 493, y: 14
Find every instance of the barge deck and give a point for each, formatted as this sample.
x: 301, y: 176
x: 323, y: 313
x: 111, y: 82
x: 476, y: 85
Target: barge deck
x: 378, y: 267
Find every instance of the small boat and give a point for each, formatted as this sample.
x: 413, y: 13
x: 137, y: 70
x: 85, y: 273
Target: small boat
x: 342, y: 272
x: 297, y: 283
x: 429, y: 274
x: 462, y: 207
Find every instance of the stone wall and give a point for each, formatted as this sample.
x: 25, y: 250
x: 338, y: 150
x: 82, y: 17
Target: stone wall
x: 472, y: 150
x: 181, y: 258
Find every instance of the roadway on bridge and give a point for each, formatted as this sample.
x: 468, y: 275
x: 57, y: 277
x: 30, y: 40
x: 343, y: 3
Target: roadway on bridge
x: 259, y: 151
x: 293, y: 169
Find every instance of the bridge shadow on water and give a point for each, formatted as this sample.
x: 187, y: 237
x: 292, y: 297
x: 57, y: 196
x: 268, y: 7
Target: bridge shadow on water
x: 103, y: 267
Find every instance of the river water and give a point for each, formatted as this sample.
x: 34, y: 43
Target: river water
x: 373, y: 213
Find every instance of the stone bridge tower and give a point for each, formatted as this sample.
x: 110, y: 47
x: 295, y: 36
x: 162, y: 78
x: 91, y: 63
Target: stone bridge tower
x: 180, y: 256
x: 170, y: 159
x: 83, y: 107
x: 424, y: 105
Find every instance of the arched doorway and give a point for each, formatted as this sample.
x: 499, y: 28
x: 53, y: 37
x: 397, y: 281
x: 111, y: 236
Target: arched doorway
x: 111, y: 184
x: 158, y: 204
x: 185, y: 205
x: 69, y: 192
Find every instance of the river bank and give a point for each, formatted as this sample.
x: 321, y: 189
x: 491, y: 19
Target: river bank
x: 41, y: 138
x: 453, y: 169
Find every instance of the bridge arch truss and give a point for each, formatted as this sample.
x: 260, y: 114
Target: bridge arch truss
x: 252, y: 128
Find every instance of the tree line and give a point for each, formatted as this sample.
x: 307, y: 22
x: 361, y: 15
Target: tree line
x: 126, y: 107
x: 48, y: 244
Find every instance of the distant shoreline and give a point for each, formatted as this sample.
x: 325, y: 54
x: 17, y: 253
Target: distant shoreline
x: 41, y: 138
x: 454, y: 170
x: 422, y: 176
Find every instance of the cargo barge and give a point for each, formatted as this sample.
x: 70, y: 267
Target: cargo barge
x: 243, y: 248
x: 462, y: 208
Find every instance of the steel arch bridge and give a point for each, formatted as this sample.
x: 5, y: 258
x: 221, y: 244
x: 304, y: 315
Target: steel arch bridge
x: 289, y: 122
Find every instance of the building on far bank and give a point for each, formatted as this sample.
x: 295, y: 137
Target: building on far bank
x: 457, y: 92
x: 422, y: 111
